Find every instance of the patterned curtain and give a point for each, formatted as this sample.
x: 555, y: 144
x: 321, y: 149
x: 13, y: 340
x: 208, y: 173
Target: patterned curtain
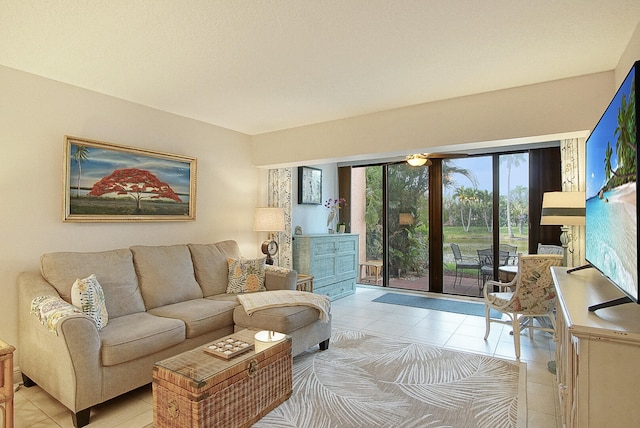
x: 572, y: 152
x: 279, y: 195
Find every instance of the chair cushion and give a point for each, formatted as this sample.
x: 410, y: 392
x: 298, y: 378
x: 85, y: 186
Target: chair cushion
x: 114, y: 269
x: 210, y: 265
x: 284, y: 319
x: 87, y: 294
x: 500, y: 299
x: 200, y: 316
x: 165, y: 274
x: 138, y: 335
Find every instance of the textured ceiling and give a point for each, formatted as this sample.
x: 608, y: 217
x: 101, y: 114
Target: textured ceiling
x: 259, y: 66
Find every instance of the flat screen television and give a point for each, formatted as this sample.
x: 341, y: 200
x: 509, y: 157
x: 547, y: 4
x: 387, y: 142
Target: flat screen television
x: 611, y: 230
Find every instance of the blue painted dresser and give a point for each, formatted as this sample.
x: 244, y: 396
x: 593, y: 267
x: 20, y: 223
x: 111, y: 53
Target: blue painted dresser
x: 332, y: 260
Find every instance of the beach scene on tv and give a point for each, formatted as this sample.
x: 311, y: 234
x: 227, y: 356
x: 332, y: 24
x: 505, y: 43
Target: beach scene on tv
x: 611, y: 213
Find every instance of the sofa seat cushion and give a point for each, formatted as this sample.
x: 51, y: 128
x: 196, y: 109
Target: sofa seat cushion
x: 137, y: 335
x: 199, y: 315
x: 284, y: 319
x: 165, y: 274
x: 113, y: 269
x: 210, y: 265
x: 225, y: 298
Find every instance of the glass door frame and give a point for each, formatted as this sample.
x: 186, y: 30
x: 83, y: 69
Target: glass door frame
x: 539, y: 182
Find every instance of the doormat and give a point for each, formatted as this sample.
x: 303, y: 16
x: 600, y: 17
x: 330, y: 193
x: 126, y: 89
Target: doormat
x: 446, y: 305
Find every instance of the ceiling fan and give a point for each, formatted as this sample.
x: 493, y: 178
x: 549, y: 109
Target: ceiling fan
x: 422, y: 159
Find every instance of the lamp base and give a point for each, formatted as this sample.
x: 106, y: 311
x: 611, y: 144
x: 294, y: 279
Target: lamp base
x: 269, y: 248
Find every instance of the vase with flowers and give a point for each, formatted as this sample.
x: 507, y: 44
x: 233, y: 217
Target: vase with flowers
x: 334, y: 205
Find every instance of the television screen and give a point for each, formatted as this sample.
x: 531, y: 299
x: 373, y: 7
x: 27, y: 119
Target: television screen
x: 611, y: 210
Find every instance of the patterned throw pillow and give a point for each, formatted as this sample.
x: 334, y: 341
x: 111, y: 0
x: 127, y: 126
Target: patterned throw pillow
x: 246, y: 275
x: 87, y: 294
x: 50, y: 310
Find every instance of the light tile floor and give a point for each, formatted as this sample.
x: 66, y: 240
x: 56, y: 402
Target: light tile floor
x: 34, y: 408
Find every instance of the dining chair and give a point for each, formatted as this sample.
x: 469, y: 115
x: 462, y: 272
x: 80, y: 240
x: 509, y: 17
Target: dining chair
x: 531, y: 295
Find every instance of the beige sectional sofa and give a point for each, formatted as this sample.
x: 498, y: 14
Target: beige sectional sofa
x: 160, y: 300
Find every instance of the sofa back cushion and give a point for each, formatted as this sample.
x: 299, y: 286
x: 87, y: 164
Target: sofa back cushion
x: 165, y: 274
x: 210, y: 264
x: 113, y: 269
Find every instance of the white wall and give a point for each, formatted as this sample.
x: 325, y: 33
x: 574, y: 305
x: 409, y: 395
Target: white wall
x: 630, y: 55
x: 35, y: 115
x: 313, y: 218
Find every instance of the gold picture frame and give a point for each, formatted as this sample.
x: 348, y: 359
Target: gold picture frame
x: 105, y: 182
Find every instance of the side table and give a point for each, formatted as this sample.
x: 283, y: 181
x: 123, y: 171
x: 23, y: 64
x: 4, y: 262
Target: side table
x: 305, y: 283
x: 376, y: 265
x: 6, y: 383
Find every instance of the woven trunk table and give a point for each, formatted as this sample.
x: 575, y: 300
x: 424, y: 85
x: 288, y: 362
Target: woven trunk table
x: 197, y: 389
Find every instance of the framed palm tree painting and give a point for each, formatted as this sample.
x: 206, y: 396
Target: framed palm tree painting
x: 110, y: 182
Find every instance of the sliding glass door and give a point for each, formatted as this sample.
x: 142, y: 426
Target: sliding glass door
x: 467, y: 222
x: 482, y: 209
x: 514, y: 205
x: 408, y: 226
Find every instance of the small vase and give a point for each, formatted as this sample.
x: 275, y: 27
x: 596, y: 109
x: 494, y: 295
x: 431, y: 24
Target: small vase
x: 342, y: 228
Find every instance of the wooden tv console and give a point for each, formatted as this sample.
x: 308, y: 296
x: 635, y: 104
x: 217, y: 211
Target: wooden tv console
x: 597, y: 353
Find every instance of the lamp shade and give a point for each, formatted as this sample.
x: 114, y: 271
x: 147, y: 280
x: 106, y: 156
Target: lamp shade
x: 563, y: 208
x: 268, y: 220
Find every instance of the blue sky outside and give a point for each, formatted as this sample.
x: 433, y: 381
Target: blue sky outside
x: 482, y: 169
x: 597, y: 142
x: 102, y: 162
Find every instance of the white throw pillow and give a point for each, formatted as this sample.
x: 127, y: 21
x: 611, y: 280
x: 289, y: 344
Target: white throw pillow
x: 87, y: 294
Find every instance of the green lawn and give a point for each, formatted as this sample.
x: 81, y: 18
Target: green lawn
x: 478, y: 238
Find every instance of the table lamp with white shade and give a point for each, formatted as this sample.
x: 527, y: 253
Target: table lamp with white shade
x: 563, y: 209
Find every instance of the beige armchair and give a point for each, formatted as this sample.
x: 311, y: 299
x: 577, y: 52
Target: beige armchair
x: 531, y: 295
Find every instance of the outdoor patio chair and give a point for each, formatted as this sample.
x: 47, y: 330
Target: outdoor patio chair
x: 463, y: 263
x: 512, y: 250
x: 533, y: 295
x: 485, y: 258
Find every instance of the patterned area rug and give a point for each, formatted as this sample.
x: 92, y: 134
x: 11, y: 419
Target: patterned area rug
x: 368, y: 381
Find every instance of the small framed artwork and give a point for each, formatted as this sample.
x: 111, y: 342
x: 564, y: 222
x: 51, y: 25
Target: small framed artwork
x: 309, y: 185
x: 105, y: 182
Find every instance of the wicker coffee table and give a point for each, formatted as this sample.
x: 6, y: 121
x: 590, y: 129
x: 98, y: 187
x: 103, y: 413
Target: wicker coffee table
x: 197, y: 389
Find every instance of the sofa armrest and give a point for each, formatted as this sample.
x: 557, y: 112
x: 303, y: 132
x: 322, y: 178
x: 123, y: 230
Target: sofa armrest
x: 279, y: 278
x: 67, y: 364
